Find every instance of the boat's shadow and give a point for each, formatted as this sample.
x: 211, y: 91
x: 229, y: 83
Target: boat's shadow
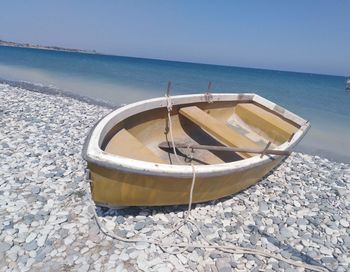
x: 295, y: 254
x: 253, y: 229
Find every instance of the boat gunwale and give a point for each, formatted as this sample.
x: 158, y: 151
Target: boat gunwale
x: 93, y: 153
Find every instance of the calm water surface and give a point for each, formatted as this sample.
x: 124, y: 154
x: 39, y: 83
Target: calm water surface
x: 120, y: 80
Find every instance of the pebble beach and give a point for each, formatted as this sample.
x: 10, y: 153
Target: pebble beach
x: 300, y: 211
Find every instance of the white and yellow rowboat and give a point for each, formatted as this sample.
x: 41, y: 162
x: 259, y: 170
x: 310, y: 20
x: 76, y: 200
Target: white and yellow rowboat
x: 233, y: 140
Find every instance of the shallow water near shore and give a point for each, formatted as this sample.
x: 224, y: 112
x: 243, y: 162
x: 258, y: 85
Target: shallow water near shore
x: 119, y: 80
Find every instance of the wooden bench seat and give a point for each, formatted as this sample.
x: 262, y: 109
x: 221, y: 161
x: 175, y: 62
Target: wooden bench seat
x: 218, y: 130
x: 127, y: 145
x: 269, y: 123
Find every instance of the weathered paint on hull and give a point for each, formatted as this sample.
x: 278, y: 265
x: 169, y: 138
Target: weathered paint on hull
x: 117, y: 188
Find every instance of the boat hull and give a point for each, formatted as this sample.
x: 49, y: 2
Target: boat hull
x: 114, y: 188
x: 128, y: 167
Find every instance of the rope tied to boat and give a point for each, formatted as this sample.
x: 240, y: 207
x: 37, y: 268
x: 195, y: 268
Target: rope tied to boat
x: 187, y: 221
x: 170, y: 125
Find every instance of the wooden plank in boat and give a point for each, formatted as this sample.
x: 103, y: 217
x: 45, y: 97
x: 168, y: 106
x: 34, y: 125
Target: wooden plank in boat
x: 218, y: 130
x: 272, y: 125
x: 127, y: 145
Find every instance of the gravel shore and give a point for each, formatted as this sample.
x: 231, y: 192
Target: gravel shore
x: 300, y: 211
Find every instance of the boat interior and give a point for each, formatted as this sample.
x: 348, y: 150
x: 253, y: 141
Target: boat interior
x: 242, y: 124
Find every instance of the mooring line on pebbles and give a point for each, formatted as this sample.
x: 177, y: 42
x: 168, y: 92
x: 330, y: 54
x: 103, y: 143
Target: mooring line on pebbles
x: 186, y: 221
x: 224, y: 248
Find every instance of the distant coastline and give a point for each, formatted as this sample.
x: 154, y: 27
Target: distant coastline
x: 55, y: 48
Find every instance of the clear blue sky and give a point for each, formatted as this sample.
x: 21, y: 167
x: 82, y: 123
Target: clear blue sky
x: 298, y: 35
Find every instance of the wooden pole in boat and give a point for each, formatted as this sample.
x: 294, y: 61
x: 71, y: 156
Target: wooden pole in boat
x: 168, y: 145
x: 266, y: 148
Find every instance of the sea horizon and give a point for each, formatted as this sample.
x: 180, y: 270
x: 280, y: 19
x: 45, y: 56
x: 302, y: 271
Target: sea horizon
x: 119, y: 80
x: 93, y: 52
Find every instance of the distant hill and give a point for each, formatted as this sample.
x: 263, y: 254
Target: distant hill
x: 56, y: 48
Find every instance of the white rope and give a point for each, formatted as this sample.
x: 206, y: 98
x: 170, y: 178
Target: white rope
x: 172, y: 138
x: 232, y: 249
x: 169, y: 108
x: 191, y: 191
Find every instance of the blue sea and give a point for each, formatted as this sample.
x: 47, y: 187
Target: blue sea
x: 120, y: 80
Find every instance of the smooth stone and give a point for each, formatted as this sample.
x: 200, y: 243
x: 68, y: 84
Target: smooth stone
x: 305, y: 243
x: 141, y: 245
x: 28, y: 219
x: 286, y: 254
x: 344, y: 223
x: 192, y: 265
x: 263, y: 207
x: 177, y: 264
x: 253, y: 239
x: 41, y: 240
x: 103, y: 253
x: 31, y: 237
x: 302, y: 221
x: 124, y: 257
x: 140, y: 218
x: 110, y: 225
x: 63, y: 233
x: 215, y: 254
x: 4, y: 246
x: 269, y: 221
x: 270, y: 230
x: 22, y: 259
x: 326, y: 251
x: 31, y: 246
x: 276, y: 220
x: 12, y: 255
x: 182, y: 258
x: 134, y: 254
x: 229, y: 228
x: 70, y: 239
x: 161, y: 217
x: 271, y: 247
x: 139, y: 225
x: 122, y: 233
x: 346, y: 241
x: 35, y: 190
x: 285, y: 232
x: 130, y: 234
x: 120, y: 267
x: 84, y: 268
x: 328, y: 260
x: 290, y: 221
x: 84, y: 250
x: 120, y: 219
x: 239, y: 208
x: 296, y: 204
x: 223, y: 265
